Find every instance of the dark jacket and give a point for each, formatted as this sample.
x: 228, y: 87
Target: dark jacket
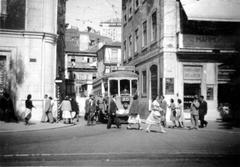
x: 203, y: 108
x: 74, y: 105
x: 90, y: 107
x: 28, y: 104
x: 113, y: 108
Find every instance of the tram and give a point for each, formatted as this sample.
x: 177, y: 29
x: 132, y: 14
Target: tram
x: 121, y: 82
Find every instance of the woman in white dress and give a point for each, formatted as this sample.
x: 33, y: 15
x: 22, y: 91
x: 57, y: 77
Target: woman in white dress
x: 66, y: 108
x: 154, y: 117
x: 180, y: 115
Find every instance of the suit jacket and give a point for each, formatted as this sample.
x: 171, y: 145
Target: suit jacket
x: 47, y: 106
x: 203, y: 108
x: 113, y: 108
x: 90, y: 107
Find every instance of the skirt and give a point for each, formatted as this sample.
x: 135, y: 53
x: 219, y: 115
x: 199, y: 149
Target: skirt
x: 152, y: 119
x: 66, y: 114
x: 134, y: 119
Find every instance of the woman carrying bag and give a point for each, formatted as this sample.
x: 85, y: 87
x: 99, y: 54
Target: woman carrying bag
x: 154, y: 117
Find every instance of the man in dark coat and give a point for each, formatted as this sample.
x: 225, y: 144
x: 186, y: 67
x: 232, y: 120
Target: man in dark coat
x: 90, y: 109
x: 75, y: 108
x: 202, y: 112
x: 112, y: 113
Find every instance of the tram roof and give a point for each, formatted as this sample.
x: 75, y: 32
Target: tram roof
x: 119, y: 74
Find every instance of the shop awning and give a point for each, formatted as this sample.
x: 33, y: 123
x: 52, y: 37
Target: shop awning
x: 212, y: 10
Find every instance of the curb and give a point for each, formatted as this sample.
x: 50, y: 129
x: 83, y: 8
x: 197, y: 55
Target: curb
x: 35, y: 129
x: 119, y: 156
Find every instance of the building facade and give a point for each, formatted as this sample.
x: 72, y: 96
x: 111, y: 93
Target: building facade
x: 81, y: 60
x: 28, y: 34
x: 111, y: 29
x: 108, y: 55
x: 179, y: 51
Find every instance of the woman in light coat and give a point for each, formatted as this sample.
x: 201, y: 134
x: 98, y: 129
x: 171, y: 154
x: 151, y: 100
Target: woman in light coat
x: 154, y: 117
x: 66, y: 108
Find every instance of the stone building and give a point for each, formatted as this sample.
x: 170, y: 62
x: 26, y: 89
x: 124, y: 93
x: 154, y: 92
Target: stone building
x: 81, y: 60
x: 179, y: 48
x: 28, y: 35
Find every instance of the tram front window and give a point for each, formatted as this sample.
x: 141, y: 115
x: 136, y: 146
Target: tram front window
x: 134, y: 87
x: 113, y: 87
x: 124, y: 86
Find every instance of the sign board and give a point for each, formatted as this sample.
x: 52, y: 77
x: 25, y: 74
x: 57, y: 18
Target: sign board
x: 192, y: 72
x: 225, y: 74
x: 122, y: 68
x: 206, y: 41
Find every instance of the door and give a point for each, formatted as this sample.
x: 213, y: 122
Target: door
x: 190, y: 90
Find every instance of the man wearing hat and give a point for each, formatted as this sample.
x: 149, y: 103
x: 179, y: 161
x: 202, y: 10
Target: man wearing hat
x: 90, y: 109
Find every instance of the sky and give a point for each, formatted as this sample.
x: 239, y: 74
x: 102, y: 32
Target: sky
x: 83, y: 13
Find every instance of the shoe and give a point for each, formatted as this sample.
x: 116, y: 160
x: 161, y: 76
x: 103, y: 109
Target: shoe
x: 147, y: 130
x: 206, y: 124
x: 140, y: 128
x: 128, y: 127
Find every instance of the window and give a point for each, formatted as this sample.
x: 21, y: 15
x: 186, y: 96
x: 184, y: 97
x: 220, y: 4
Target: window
x: 124, y: 50
x: 113, y: 87
x: 210, y: 92
x: 130, y: 47
x: 144, y: 83
x: 136, y: 4
x: 144, y: 35
x: 124, y: 86
x: 130, y: 8
x: 114, y: 57
x: 125, y: 18
x: 169, y: 86
x: 154, y: 27
x: 136, y: 41
x: 134, y: 87
x: 12, y: 14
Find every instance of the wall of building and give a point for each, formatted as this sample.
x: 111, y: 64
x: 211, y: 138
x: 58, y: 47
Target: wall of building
x: 31, y: 56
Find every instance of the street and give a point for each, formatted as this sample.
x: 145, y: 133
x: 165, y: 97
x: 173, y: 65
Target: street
x: 96, y: 146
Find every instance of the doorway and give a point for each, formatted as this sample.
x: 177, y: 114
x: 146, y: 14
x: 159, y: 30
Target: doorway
x: 224, y: 93
x: 190, y: 90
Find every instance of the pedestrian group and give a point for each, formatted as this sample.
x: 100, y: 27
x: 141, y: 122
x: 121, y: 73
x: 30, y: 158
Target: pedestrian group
x: 157, y: 116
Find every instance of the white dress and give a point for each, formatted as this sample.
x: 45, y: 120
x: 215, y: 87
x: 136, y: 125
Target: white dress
x: 152, y: 118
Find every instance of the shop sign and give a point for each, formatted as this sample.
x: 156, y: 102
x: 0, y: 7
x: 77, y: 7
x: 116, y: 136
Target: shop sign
x: 123, y: 68
x: 206, y: 41
x: 192, y: 73
x: 225, y: 74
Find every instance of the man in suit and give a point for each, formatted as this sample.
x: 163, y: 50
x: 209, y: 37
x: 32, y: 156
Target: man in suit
x: 112, y: 113
x: 90, y: 108
x: 202, y: 112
